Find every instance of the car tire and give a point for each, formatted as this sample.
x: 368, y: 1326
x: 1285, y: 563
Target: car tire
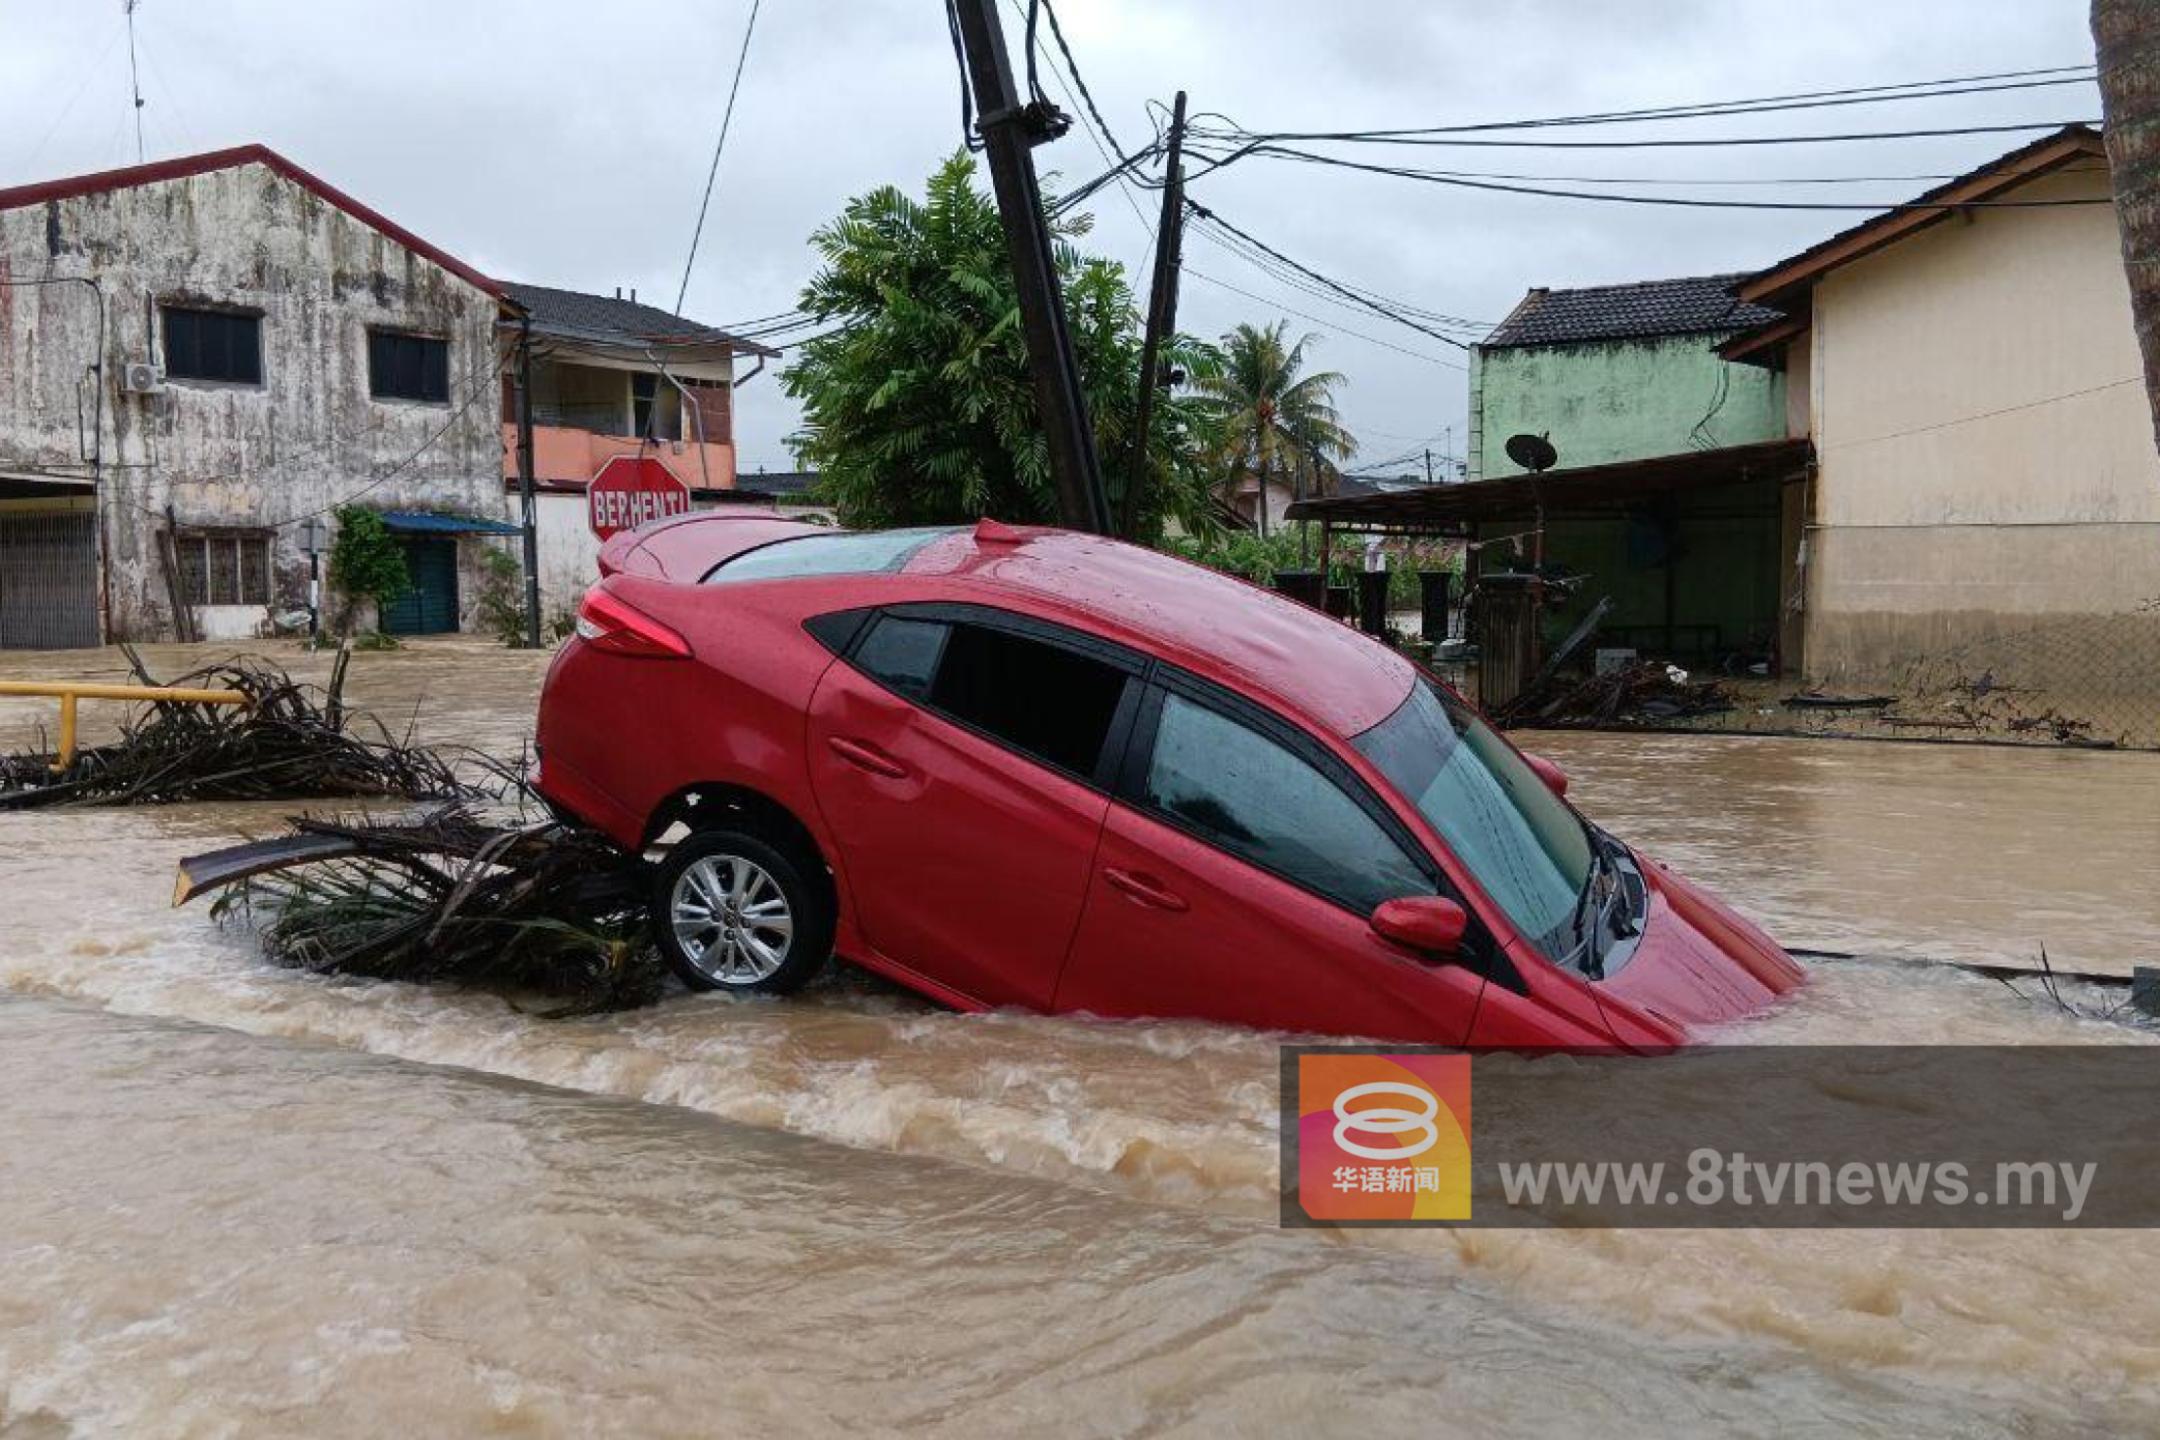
x: 731, y: 911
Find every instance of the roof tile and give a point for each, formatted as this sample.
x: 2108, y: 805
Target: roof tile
x: 1693, y: 305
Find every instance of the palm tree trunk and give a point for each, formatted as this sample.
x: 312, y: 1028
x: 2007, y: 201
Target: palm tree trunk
x: 2126, y: 35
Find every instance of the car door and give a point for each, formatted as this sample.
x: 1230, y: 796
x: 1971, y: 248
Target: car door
x: 1235, y: 880
x: 958, y: 756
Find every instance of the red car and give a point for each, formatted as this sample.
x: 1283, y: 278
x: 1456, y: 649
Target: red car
x: 1026, y: 767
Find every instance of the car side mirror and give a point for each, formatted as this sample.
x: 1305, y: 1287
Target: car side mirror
x: 1432, y: 925
x: 1554, y: 777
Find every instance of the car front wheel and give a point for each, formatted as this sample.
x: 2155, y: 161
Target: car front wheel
x: 732, y: 912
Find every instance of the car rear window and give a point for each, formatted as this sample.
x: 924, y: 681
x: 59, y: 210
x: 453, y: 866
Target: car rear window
x: 844, y: 552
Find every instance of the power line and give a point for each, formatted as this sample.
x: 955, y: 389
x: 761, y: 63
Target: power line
x: 1087, y: 99
x: 1432, y: 177
x: 1706, y: 142
x: 727, y: 118
x: 1335, y: 327
x: 1290, y: 277
x: 1337, y: 286
x: 1867, y: 95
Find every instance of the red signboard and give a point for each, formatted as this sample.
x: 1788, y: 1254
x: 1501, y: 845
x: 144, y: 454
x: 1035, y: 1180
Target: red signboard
x: 630, y: 490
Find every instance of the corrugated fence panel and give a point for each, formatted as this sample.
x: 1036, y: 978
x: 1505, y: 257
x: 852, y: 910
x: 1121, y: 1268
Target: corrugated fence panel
x: 48, y: 582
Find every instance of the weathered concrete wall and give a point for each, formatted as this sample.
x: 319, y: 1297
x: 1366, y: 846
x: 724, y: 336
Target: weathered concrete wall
x: 1618, y: 400
x: 1988, y: 494
x: 305, y: 439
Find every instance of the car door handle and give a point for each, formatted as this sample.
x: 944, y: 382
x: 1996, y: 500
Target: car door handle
x: 865, y: 756
x: 1146, y: 890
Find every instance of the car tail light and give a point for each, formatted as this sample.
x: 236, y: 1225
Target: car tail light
x: 606, y: 622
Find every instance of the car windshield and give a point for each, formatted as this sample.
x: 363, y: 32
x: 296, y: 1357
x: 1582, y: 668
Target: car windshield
x: 843, y: 552
x: 1529, y: 851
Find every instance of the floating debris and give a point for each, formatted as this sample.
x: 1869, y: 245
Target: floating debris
x: 1649, y: 692
x: 546, y: 908
x: 289, y: 741
x: 1817, y: 700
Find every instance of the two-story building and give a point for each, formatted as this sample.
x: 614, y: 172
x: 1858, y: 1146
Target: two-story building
x: 198, y: 358
x: 614, y: 379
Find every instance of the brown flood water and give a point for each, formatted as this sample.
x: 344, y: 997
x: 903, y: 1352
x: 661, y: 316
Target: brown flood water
x: 380, y: 1207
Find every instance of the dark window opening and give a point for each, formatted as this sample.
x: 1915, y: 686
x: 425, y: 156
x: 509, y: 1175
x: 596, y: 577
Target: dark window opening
x: 1043, y: 700
x: 408, y: 367
x: 213, y: 345
x: 222, y: 567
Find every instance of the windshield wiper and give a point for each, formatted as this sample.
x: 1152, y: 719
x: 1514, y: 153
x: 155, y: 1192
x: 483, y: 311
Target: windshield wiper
x: 1605, y: 868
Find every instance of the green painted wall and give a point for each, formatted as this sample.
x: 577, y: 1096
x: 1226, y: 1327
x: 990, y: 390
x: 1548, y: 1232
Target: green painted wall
x: 1604, y: 401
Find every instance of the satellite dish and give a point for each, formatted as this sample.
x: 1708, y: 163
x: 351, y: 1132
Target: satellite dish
x: 1533, y: 452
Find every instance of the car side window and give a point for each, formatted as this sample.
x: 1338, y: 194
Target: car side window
x: 903, y: 654
x: 1259, y: 800
x: 1044, y: 700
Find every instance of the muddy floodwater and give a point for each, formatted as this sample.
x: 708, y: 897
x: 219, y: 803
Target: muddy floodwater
x: 236, y: 1200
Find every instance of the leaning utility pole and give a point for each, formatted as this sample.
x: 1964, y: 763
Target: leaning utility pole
x: 1010, y: 127
x: 1161, y: 314
x: 526, y: 497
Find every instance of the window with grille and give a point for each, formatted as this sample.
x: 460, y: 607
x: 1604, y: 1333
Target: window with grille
x: 213, y: 345
x: 408, y: 367
x: 224, y: 567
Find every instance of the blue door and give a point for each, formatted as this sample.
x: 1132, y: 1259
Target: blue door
x: 430, y: 607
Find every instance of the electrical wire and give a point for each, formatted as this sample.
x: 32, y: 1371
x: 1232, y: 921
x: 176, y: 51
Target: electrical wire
x: 1087, y: 98
x: 1219, y: 161
x: 1686, y: 201
x: 1335, y: 327
x: 968, y: 137
x: 727, y: 118
x: 1337, y: 286
x: 1291, y: 278
x: 1864, y: 95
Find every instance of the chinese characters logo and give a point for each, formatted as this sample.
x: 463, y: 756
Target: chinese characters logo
x: 1382, y: 1136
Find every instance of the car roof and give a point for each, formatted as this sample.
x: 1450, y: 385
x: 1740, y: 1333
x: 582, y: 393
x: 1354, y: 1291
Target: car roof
x: 1216, y: 625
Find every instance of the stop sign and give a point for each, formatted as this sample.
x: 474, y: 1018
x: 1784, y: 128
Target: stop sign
x: 630, y: 490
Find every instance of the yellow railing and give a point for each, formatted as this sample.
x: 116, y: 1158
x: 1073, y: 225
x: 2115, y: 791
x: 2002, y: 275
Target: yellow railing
x: 68, y: 692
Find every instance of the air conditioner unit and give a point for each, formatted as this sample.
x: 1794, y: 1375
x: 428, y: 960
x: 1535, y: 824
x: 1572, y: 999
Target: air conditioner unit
x: 140, y: 377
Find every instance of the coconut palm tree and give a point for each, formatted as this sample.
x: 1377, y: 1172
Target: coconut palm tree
x: 1272, y: 416
x: 2126, y: 39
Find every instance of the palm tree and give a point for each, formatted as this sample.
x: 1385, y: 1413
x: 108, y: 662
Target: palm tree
x: 1273, y: 418
x: 2126, y: 38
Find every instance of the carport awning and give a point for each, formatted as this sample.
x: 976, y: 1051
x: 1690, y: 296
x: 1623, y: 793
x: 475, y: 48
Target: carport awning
x: 422, y: 522
x: 1585, y: 489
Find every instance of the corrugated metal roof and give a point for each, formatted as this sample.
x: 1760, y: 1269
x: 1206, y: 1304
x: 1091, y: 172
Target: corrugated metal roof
x: 1692, y: 305
x: 424, y: 522
x: 626, y: 322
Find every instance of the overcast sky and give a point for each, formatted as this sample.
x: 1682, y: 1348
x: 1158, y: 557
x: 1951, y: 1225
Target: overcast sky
x: 566, y: 144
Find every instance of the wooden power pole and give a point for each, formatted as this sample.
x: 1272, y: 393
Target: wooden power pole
x: 1010, y: 128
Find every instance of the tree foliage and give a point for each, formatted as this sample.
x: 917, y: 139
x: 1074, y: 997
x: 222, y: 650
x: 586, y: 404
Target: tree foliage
x: 918, y: 406
x: 366, y: 562
x: 1269, y: 413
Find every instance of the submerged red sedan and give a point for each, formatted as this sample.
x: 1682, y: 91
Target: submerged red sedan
x: 1026, y: 767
